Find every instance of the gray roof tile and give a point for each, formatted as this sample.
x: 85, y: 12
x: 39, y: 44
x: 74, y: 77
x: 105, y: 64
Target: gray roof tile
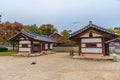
x: 36, y: 36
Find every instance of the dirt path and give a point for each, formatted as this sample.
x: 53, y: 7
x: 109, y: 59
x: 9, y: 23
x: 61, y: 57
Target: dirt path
x: 57, y: 67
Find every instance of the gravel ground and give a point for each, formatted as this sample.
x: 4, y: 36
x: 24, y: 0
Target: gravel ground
x: 59, y: 66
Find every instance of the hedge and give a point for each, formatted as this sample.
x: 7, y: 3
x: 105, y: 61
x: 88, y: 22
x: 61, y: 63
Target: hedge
x: 3, y: 49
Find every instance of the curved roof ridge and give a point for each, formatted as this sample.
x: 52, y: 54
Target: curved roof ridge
x: 92, y: 26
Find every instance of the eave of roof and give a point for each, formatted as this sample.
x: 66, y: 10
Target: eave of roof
x: 113, y: 40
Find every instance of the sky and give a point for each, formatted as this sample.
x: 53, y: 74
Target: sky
x: 63, y: 14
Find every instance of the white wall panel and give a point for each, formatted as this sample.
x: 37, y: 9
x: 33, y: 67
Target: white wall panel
x: 83, y: 45
x: 20, y: 45
x: 36, y: 42
x: 92, y: 50
x: 91, y: 40
x: 99, y: 45
x: 46, y: 46
x: 51, y: 46
x: 24, y: 49
x: 24, y: 42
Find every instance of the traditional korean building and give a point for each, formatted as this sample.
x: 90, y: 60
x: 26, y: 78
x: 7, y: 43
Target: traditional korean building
x: 31, y: 42
x: 91, y: 40
x: 55, y: 35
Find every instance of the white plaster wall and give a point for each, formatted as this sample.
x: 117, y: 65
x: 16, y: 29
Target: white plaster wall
x: 46, y: 46
x: 24, y: 49
x: 91, y: 40
x: 24, y: 42
x: 83, y: 45
x: 99, y: 45
x: 51, y: 46
x: 36, y: 42
x: 91, y: 50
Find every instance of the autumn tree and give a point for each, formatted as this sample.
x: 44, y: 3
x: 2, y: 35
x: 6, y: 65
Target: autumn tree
x: 9, y: 29
x: 47, y: 29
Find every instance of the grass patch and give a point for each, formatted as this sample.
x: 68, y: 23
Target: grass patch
x: 8, y: 53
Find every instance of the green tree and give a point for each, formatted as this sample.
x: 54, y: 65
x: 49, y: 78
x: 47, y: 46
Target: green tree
x: 116, y: 30
x: 47, y: 29
x: 111, y: 29
x: 64, y: 39
x: 33, y: 28
x: 66, y: 33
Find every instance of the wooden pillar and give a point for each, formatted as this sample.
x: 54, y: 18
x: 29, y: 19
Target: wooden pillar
x: 103, y: 46
x: 43, y: 46
x: 79, y: 46
x: 18, y: 46
x: 107, y: 49
x: 31, y: 46
x: 39, y: 47
x: 13, y: 45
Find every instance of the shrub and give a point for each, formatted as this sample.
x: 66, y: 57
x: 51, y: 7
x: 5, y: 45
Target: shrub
x: 3, y: 49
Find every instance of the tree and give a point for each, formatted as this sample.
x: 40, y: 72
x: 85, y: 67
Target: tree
x: 33, y: 28
x: 66, y: 33
x: 64, y: 39
x: 111, y: 29
x: 47, y: 29
x: 116, y: 30
x: 8, y: 29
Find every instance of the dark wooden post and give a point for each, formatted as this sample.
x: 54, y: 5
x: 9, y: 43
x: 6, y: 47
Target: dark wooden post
x: 31, y: 46
x: 39, y: 47
x: 79, y: 46
x: 103, y: 46
x: 13, y: 45
x: 107, y: 49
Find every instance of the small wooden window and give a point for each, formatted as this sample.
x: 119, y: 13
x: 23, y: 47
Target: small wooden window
x: 91, y: 45
x: 25, y: 45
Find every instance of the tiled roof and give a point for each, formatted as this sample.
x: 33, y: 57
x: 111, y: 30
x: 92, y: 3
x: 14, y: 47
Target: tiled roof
x: 54, y: 33
x: 90, y: 25
x: 113, y: 40
x: 35, y: 36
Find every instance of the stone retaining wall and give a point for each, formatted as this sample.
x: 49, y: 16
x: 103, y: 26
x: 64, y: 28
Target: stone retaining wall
x: 65, y: 49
